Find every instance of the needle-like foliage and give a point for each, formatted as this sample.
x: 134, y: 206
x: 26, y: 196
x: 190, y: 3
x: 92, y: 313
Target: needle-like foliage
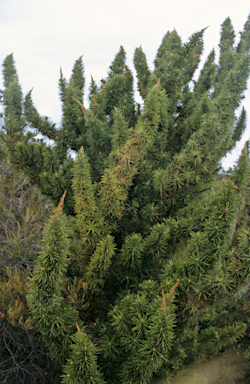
x: 147, y: 269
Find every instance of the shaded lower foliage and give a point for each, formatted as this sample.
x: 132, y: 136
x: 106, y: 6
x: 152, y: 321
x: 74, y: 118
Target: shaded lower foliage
x: 24, y: 357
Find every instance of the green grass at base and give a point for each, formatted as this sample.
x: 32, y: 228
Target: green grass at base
x: 227, y: 368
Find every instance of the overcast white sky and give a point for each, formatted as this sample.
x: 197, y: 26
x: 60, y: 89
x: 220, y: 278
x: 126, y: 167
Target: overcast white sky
x: 44, y: 35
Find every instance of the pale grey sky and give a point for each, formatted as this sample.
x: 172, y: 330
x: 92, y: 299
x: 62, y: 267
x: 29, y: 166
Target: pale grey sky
x: 44, y: 35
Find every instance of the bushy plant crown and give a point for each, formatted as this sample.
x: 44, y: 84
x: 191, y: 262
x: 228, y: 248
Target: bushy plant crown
x: 145, y: 265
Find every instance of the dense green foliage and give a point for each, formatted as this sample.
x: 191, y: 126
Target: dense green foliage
x: 144, y: 264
